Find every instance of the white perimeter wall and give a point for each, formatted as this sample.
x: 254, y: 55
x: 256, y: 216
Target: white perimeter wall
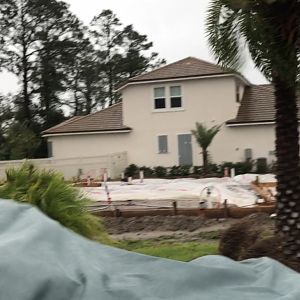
x: 94, y: 166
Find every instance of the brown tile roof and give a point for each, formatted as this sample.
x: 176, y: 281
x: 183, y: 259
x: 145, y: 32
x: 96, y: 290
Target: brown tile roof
x: 187, y: 67
x: 257, y: 105
x: 108, y: 119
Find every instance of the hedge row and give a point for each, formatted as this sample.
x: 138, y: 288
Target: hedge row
x: 185, y: 171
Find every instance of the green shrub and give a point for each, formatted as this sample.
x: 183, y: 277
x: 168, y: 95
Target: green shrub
x: 132, y: 171
x: 185, y: 170
x: 272, y: 167
x: 160, y: 171
x: 174, y: 171
x: 179, y: 171
x: 240, y: 167
x: 58, y: 200
x: 243, y: 167
x: 214, y: 169
x: 198, y: 170
x: 148, y: 172
x: 261, y: 166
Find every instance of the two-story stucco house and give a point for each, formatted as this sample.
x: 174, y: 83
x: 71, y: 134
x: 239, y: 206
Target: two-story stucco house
x: 159, y: 109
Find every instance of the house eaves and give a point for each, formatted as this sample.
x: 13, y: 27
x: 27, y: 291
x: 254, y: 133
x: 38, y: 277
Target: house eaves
x: 239, y: 124
x: 184, y: 69
x: 108, y: 120
x: 174, y: 79
x: 87, y: 132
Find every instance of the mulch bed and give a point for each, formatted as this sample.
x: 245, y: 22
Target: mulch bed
x: 154, y: 223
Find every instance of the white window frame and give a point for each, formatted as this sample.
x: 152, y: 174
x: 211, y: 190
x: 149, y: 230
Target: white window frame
x: 170, y: 98
x: 167, y: 98
x: 154, y: 98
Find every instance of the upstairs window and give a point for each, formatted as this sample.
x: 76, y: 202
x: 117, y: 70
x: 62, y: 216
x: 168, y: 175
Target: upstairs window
x: 175, y: 97
x: 159, y: 98
x: 163, y: 144
x: 168, y: 98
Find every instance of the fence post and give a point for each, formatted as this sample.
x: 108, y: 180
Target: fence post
x: 141, y: 176
x: 88, y: 180
x: 226, y: 172
x: 117, y: 212
x: 225, y: 209
x: 232, y: 172
x: 105, y: 176
x: 174, y: 203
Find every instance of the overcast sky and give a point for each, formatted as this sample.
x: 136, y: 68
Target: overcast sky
x: 177, y: 28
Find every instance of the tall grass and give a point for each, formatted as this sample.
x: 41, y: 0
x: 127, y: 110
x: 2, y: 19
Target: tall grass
x: 60, y: 201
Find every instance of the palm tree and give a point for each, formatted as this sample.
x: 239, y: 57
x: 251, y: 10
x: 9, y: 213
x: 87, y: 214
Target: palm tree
x: 270, y: 31
x: 54, y: 197
x: 204, y: 137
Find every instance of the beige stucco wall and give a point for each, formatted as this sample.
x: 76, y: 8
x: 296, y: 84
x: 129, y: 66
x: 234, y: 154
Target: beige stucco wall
x: 231, y: 142
x: 74, y: 146
x: 211, y: 100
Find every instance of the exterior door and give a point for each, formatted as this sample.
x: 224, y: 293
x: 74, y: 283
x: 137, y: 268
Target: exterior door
x: 185, y: 150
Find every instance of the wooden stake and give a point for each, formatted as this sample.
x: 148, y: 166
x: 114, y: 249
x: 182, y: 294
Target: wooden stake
x: 225, y: 209
x: 174, y: 203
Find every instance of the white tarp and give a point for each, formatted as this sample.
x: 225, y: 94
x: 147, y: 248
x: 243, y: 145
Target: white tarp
x: 41, y: 260
x: 236, y: 190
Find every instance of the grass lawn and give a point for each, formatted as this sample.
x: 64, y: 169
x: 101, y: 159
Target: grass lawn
x: 182, y: 251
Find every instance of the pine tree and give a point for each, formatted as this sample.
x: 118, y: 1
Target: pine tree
x: 59, y: 38
x: 137, y: 58
x: 122, y: 52
x: 86, y: 80
x: 108, y: 35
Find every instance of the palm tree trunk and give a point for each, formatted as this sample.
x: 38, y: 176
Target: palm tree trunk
x: 288, y: 170
x: 205, y: 161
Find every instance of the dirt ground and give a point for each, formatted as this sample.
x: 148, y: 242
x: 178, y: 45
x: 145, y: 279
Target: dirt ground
x: 182, y: 228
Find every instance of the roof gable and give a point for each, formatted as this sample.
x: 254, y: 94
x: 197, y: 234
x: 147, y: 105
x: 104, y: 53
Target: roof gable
x: 187, y: 67
x: 108, y: 119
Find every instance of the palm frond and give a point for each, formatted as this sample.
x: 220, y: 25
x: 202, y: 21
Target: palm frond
x: 204, y: 135
x: 223, y: 34
x: 268, y: 28
x: 60, y: 201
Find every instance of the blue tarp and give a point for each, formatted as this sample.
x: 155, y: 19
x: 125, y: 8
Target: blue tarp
x: 41, y: 260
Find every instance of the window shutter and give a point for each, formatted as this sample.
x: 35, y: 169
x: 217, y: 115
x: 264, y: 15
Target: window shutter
x: 163, y: 144
x: 50, y: 150
x: 248, y: 154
